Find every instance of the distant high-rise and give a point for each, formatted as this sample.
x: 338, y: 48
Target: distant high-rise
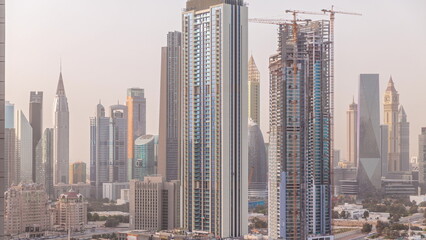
x: 145, y: 157
x: 154, y: 204
x: 168, y: 145
x: 384, y: 145
x: 369, y: 164
x: 253, y: 91
x: 258, y: 163
x: 3, y: 174
x: 36, y: 122
x: 24, y: 146
x: 118, y: 144
x: 11, y: 164
x: 61, y: 129
x: 136, y: 125
x: 10, y: 157
x: 391, y: 105
x: 78, y: 173
x: 352, y: 126
x: 108, y: 147
x: 403, y: 140
x: 422, y: 156
x: 214, y: 117
x: 9, y: 115
x: 44, y: 161
x: 99, y: 150
x: 299, y: 192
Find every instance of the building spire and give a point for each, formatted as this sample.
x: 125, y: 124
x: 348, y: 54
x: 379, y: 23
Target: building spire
x: 391, y: 85
x: 60, y: 90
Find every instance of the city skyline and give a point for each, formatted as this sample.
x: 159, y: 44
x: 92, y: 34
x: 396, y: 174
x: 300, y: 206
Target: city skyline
x: 141, y: 68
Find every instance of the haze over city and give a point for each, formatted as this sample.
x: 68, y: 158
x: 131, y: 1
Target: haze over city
x: 107, y: 46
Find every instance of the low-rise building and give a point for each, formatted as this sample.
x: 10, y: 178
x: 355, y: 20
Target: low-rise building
x: 124, y: 197
x: 61, y: 188
x: 354, y: 211
x: 70, y: 212
x: 26, y: 210
x: 418, y: 199
x: 112, y: 191
x: 154, y: 204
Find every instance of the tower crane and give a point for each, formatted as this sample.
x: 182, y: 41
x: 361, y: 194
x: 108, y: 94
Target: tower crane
x: 332, y: 14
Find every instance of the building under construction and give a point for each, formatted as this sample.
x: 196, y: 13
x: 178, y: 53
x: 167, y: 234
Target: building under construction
x: 300, y: 132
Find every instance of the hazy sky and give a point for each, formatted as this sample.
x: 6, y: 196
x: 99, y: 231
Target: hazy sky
x: 107, y: 46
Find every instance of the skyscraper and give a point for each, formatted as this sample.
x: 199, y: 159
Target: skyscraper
x: 403, y: 140
x: 61, y: 135
x: 136, y: 125
x: 214, y: 117
x: 108, y: 147
x: 168, y: 145
x: 384, y: 145
x: 145, y: 157
x: 3, y: 174
x: 253, y: 91
x: 352, y: 126
x: 44, y: 161
x: 258, y: 163
x: 24, y: 146
x: 369, y: 164
x: 36, y: 122
x: 422, y: 156
x: 118, y: 144
x: 78, y: 173
x: 11, y: 163
x: 10, y: 115
x: 299, y: 202
x: 391, y: 105
x: 99, y: 151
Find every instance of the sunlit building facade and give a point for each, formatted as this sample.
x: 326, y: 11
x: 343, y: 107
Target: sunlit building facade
x: 214, y: 117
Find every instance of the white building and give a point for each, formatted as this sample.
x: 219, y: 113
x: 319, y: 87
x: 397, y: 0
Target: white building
x: 61, y: 135
x: 214, y: 96
x: 355, y: 211
x: 112, y: 191
x: 124, y: 197
x: 24, y: 145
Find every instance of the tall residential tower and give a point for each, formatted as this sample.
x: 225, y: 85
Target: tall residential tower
x: 214, y: 117
x: 168, y: 152
x: 61, y: 135
x: 299, y: 202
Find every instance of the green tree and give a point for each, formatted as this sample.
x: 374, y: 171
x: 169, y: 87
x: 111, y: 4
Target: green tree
x: 366, y: 214
x: 95, y: 217
x: 111, y: 222
x: 366, y: 228
x: 335, y: 214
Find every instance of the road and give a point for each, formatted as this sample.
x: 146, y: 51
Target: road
x: 411, y: 219
x: 88, y: 234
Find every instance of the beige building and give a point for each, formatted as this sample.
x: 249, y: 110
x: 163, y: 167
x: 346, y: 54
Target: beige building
x: 61, y: 188
x: 391, y: 105
x: 352, y: 146
x: 78, y: 173
x: 154, y: 204
x: 254, y: 91
x: 70, y: 212
x: 26, y: 209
